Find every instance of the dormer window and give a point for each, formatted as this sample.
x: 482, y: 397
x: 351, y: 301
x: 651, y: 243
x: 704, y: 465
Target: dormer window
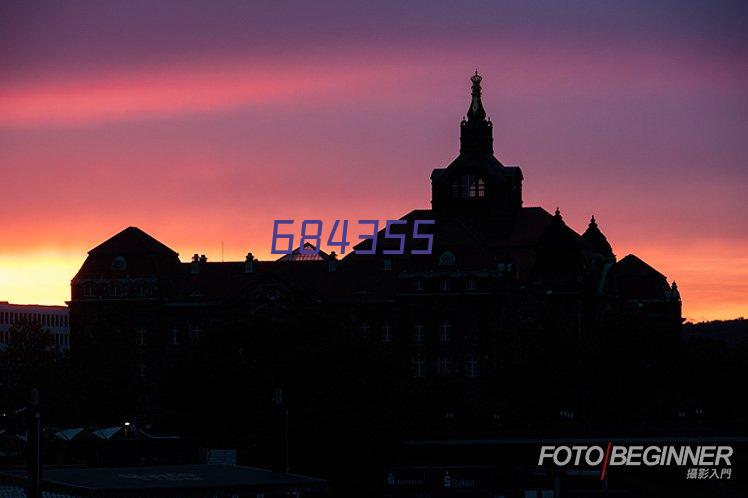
x: 119, y: 263
x: 447, y: 258
x: 469, y: 187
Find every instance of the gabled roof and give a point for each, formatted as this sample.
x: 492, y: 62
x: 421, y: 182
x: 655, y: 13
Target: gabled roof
x: 632, y: 266
x: 632, y: 278
x: 594, y: 236
x: 485, y: 163
x: 132, y: 240
x: 296, y: 254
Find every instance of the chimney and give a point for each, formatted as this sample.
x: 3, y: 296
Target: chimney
x: 195, y: 266
x: 332, y: 262
x: 249, y: 263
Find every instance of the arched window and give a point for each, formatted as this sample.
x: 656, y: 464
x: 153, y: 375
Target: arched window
x: 469, y: 187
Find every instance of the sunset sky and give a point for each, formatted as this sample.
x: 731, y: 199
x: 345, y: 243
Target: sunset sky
x: 202, y: 122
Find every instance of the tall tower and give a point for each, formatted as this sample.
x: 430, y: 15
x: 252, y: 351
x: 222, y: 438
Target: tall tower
x: 476, y: 184
x: 476, y: 136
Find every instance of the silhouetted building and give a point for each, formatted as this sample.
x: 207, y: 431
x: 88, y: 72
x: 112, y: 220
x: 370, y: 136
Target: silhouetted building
x: 502, y: 281
x: 52, y: 319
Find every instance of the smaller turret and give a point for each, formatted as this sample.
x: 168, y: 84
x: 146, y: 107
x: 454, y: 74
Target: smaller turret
x: 597, y: 239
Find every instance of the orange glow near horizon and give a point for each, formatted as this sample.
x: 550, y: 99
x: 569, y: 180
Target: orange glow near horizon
x: 712, y: 278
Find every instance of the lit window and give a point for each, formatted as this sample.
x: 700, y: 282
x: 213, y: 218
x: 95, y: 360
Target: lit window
x: 444, y: 284
x: 445, y: 330
x: 481, y: 187
x: 469, y: 187
x: 418, y: 285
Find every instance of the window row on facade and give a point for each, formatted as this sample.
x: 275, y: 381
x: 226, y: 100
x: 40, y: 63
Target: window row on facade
x: 445, y: 365
x: 176, y: 336
x: 118, y: 290
x: 59, y: 340
x: 453, y: 284
x: 43, y: 319
x: 446, y: 284
x: 419, y: 331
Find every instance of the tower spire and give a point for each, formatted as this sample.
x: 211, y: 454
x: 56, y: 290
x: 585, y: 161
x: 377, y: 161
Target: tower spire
x: 594, y: 236
x: 476, y: 111
x: 475, y: 130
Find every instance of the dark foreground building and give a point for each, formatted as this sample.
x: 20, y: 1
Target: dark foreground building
x: 513, y: 326
x: 502, y: 282
x: 195, y: 481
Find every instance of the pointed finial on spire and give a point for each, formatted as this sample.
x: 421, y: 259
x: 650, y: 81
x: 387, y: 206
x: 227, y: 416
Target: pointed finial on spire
x: 558, y: 212
x: 476, y: 111
x: 593, y: 223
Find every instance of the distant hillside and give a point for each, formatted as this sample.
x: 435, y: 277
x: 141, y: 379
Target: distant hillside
x: 731, y: 332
